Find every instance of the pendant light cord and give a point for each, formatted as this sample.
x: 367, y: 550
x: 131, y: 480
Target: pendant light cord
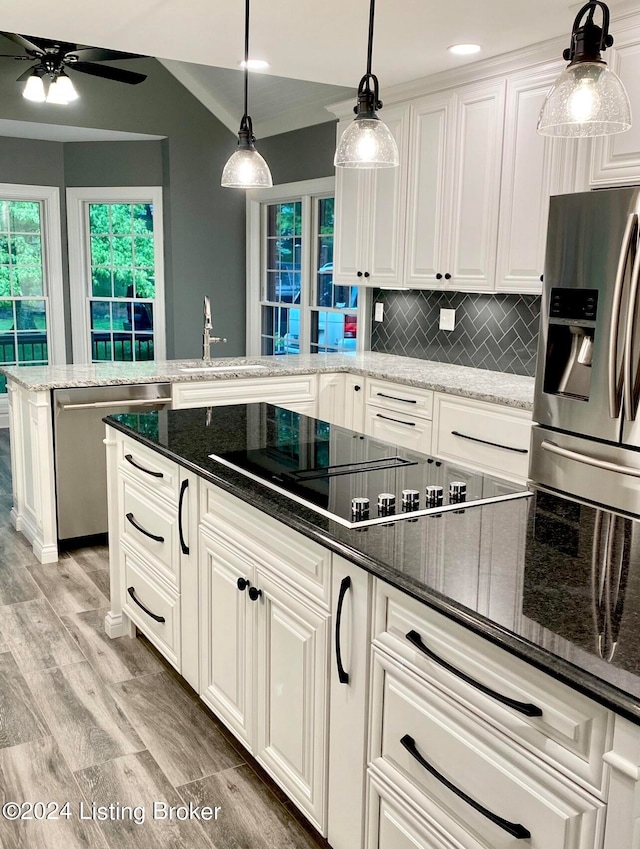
x: 246, y: 60
x: 370, y: 45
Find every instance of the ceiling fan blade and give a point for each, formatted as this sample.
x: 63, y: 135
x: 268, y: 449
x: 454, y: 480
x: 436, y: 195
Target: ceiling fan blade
x: 109, y: 73
x: 23, y: 42
x: 100, y: 54
x: 24, y: 77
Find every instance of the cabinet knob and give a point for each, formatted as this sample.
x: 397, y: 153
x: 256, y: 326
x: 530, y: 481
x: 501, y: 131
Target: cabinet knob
x: 357, y: 388
x: 542, y: 278
x: 243, y: 584
x: 359, y: 274
x: 366, y: 274
x: 254, y: 593
x: 447, y: 276
x: 438, y: 276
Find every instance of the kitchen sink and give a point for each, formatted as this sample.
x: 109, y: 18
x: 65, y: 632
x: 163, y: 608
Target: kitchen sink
x: 222, y: 369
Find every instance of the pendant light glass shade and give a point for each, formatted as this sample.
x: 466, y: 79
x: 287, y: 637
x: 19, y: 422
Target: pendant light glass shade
x: 34, y: 89
x: 367, y: 142
x: 588, y: 98
x: 246, y: 169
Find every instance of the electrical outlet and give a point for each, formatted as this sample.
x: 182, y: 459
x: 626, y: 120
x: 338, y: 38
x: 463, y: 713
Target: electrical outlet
x: 378, y: 313
x: 447, y: 319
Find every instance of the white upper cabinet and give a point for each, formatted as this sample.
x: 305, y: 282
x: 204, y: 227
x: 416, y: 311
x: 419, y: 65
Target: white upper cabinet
x: 454, y: 173
x: 370, y: 209
x: 534, y: 167
x: 615, y: 160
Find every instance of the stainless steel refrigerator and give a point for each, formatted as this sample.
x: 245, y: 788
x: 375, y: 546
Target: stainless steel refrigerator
x: 587, y: 438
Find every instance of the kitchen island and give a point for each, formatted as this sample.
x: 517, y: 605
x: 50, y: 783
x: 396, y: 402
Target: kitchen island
x: 330, y: 385
x: 502, y: 634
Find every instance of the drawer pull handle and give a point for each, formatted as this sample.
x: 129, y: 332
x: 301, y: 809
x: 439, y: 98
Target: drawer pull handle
x: 183, y: 488
x: 488, y: 442
x: 515, y: 829
x: 395, y: 398
x: 522, y: 707
x: 130, y: 518
x: 343, y: 676
x: 397, y: 421
x: 132, y: 593
x: 129, y: 459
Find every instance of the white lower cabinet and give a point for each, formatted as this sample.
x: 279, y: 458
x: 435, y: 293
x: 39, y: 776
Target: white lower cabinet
x: 265, y: 648
x: 295, y: 392
x: 341, y: 399
x: 399, y: 414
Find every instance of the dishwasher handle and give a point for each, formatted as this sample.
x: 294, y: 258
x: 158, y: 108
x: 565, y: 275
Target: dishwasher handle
x: 97, y: 405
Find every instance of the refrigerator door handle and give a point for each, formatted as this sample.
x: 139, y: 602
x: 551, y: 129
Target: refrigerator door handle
x: 630, y: 235
x: 628, y: 380
x: 588, y: 460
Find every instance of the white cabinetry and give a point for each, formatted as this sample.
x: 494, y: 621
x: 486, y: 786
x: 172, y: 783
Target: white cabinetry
x: 534, y: 167
x: 341, y: 399
x: 264, y: 614
x: 399, y: 414
x: 454, y: 174
x: 370, y: 206
x: 488, y: 437
x: 294, y: 392
x: 152, y: 552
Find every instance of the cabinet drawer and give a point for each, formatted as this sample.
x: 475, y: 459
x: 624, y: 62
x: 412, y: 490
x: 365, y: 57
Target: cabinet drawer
x: 159, y: 601
x: 287, y: 553
x: 486, y: 436
x: 276, y: 390
x: 445, y: 760
x: 399, y: 428
x: 149, y: 469
x: 149, y: 525
x: 400, y: 398
x: 572, y: 731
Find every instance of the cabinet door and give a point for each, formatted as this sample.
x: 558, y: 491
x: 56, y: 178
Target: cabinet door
x: 528, y: 179
x: 475, y: 194
x: 353, y: 410
x: 351, y: 222
x: 383, y: 256
x: 615, y: 160
x: 429, y: 187
x: 292, y: 647
x: 331, y: 389
x: 189, y: 578
x: 226, y: 636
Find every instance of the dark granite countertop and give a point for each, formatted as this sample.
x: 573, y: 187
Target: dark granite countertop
x: 527, y: 574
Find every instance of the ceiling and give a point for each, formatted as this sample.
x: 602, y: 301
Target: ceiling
x: 322, y: 44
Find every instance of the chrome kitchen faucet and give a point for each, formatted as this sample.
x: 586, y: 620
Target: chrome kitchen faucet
x: 207, y: 339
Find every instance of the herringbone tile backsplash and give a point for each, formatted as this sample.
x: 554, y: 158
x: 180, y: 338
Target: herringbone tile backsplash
x: 497, y: 332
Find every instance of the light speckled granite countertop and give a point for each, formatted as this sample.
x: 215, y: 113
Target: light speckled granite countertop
x: 512, y: 390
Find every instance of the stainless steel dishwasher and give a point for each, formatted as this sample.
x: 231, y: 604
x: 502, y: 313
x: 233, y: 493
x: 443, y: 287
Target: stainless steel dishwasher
x: 80, y: 458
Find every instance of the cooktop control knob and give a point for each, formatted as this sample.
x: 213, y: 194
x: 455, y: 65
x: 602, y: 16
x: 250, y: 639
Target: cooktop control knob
x: 359, y: 509
x: 457, y: 492
x: 435, y: 496
x: 386, y: 504
x: 410, y: 500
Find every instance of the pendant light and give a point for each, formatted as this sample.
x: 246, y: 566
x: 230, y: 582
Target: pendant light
x: 588, y: 98
x: 61, y: 90
x: 367, y: 142
x: 34, y: 88
x: 246, y: 169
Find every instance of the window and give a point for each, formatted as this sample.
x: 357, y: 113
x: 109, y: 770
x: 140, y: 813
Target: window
x: 294, y: 306
x: 116, y: 272
x: 31, y: 311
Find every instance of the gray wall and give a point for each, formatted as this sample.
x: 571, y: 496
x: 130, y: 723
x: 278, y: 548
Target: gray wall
x: 204, y: 223
x: 301, y: 154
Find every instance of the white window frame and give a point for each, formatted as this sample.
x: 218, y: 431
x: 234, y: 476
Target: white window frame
x: 79, y: 254
x: 49, y: 197
x: 307, y: 190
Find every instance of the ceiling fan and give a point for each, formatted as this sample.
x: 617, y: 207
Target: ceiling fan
x: 53, y: 58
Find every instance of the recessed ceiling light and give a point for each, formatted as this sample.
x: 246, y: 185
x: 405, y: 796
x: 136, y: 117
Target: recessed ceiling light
x: 255, y: 64
x: 464, y: 49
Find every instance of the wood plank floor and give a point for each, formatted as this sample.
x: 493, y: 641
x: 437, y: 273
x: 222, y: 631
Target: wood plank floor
x: 93, y: 721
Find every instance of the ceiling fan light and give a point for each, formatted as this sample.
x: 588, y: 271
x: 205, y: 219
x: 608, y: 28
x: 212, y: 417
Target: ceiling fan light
x: 66, y: 87
x: 34, y: 89
x: 366, y: 143
x: 246, y: 169
x: 587, y: 99
x: 56, y: 94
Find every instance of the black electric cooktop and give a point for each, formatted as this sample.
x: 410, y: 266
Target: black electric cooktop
x: 352, y: 478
